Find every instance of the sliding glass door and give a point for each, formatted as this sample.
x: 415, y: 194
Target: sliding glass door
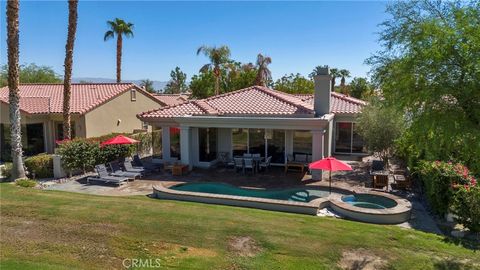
x: 347, y: 139
x: 266, y: 142
x: 276, y: 146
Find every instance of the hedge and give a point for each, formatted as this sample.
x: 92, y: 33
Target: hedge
x: 451, y: 187
x: 40, y: 166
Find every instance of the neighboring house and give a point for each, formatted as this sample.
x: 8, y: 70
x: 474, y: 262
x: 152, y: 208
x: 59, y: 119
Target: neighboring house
x: 97, y: 109
x: 259, y: 120
x: 172, y: 99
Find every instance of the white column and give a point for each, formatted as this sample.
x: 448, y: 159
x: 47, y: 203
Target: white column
x: 317, y: 151
x: 185, y: 135
x: 166, y: 143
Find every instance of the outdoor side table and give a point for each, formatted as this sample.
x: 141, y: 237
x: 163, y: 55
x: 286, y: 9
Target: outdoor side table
x: 179, y: 170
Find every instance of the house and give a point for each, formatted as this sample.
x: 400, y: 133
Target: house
x: 259, y: 120
x: 172, y: 99
x: 97, y: 109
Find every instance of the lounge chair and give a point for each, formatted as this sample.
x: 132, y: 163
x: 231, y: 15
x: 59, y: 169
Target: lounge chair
x: 104, y: 177
x: 148, y: 166
x: 117, y: 171
x: 127, y: 164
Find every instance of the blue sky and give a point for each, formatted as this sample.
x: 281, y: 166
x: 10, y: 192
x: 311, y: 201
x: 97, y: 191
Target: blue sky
x: 297, y: 35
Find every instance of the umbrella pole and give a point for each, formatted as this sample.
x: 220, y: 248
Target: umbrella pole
x: 330, y: 181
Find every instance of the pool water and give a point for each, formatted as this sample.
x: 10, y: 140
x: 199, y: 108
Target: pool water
x: 293, y: 194
x: 369, y: 201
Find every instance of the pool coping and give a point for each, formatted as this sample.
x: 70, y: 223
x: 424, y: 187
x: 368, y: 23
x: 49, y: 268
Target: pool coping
x: 160, y: 191
x: 396, y: 214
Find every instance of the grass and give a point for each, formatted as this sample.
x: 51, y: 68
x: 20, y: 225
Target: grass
x: 60, y: 230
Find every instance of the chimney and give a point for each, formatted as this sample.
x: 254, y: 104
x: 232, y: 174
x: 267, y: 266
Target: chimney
x: 323, y: 82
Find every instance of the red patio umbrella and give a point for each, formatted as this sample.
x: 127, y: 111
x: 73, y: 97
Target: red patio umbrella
x: 330, y: 164
x: 120, y: 139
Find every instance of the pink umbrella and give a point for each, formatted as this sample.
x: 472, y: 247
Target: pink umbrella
x: 120, y: 139
x: 330, y: 164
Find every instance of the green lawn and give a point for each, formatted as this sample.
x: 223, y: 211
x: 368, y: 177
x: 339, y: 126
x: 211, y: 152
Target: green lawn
x: 59, y: 230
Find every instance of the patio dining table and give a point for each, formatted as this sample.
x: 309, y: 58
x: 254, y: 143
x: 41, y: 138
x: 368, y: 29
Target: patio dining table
x: 256, y: 161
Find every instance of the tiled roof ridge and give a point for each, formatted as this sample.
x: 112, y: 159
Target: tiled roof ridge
x: 349, y: 98
x: 228, y: 93
x: 86, y: 83
x: 166, y: 108
x: 203, y: 105
x: 295, y: 101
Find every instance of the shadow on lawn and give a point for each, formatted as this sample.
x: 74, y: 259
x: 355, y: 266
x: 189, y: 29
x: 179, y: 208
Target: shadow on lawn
x: 466, y: 243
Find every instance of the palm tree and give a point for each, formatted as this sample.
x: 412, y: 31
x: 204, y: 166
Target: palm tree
x: 18, y: 170
x: 120, y: 28
x: 219, y: 57
x: 344, y: 74
x: 67, y: 79
x: 147, y: 85
x: 264, y: 75
x: 335, y: 74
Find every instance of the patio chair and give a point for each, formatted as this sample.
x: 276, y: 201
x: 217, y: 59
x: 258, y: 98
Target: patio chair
x: 266, y: 164
x: 223, y: 157
x: 137, y: 163
x: 248, y: 164
x: 377, y: 165
x: 238, y: 164
x: 117, y: 171
x: 380, y: 181
x: 129, y: 168
x: 104, y: 177
x: 245, y: 155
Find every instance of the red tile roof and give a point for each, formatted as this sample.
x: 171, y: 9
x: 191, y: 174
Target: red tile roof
x: 340, y: 103
x: 255, y: 101
x: 171, y: 99
x: 48, y: 98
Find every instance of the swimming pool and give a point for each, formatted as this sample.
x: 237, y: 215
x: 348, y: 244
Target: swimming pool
x: 369, y: 201
x: 292, y: 194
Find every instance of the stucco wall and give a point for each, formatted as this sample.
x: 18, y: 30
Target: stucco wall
x: 104, y: 119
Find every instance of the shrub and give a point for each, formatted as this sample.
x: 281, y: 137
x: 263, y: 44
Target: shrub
x: 466, y: 206
x: 79, y: 154
x: 41, y: 166
x: 7, y: 170
x: 438, y: 179
x: 25, y: 182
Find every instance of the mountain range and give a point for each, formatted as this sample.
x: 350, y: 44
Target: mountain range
x: 157, y: 85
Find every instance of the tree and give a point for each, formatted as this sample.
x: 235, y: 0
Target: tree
x: 219, y: 57
x: 119, y: 28
x: 238, y: 76
x: 344, y: 74
x: 203, y: 84
x: 67, y: 79
x: 31, y: 73
x: 264, y: 75
x: 335, y: 73
x: 294, y: 84
x: 147, y: 85
x: 18, y: 170
x: 429, y: 67
x: 361, y: 88
x: 177, y: 83
x: 380, y: 126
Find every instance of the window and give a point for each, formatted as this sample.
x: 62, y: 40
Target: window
x: 144, y: 125
x: 256, y: 141
x: 276, y: 146
x: 133, y: 95
x: 239, y: 141
x: 175, y: 142
x: 347, y: 139
x: 207, y: 144
x: 302, y: 142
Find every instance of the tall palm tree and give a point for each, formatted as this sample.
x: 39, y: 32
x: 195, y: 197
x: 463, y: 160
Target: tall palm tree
x: 334, y: 72
x: 18, y: 170
x: 264, y: 74
x: 119, y: 28
x: 344, y: 74
x: 67, y: 79
x: 219, y: 57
